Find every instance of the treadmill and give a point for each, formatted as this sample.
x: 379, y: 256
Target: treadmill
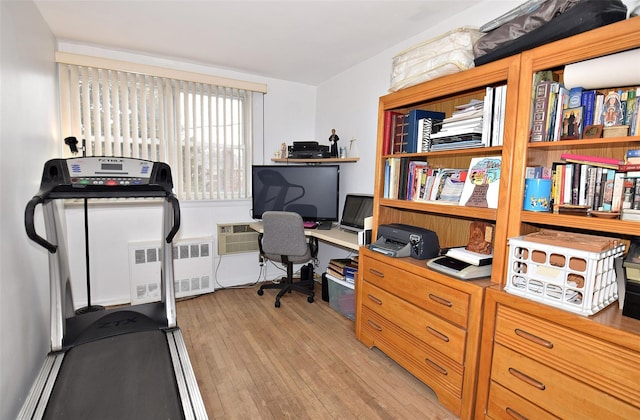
x: 128, y: 362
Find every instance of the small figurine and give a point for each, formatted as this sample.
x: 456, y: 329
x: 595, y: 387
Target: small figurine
x: 283, y: 150
x: 333, y: 139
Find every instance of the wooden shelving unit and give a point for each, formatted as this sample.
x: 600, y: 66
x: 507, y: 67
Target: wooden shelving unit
x: 435, y: 301
x: 604, y: 348
x: 468, y: 380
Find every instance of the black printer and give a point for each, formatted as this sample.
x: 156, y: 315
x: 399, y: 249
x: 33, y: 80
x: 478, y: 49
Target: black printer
x: 400, y: 240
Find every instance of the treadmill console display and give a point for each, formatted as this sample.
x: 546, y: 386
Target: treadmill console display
x: 108, y: 171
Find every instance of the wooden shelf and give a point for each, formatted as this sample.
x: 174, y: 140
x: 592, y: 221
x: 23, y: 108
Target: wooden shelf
x: 325, y: 160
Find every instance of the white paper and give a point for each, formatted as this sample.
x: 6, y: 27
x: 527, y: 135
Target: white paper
x: 614, y: 70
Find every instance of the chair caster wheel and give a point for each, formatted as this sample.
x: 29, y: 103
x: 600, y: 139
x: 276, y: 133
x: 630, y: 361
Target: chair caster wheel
x: 310, y: 299
x: 260, y: 292
x: 277, y: 303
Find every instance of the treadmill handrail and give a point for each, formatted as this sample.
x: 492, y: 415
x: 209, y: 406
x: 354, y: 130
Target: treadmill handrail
x: 29, y: 224
x: 176, y: 217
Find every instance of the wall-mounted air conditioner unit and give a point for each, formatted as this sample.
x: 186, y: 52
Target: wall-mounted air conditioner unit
x: 236, y: 238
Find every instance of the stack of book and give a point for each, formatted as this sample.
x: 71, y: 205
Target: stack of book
x: 409, y: 132
x: 592, y: 183
x: 462, y: 130
x: 564, y: 114
x: 343, y: 269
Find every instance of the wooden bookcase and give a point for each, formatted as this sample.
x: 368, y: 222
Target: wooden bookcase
x: 466, y: 380
x: 573, y: 365
x: 439, y: 342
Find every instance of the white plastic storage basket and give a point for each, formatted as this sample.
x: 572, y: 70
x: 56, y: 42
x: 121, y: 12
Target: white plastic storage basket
x: 574, y: 280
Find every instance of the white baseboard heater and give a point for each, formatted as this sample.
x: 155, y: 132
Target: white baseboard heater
x: 192, y: 266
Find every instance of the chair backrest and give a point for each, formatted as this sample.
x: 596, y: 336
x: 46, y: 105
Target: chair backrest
x: 283, y: 234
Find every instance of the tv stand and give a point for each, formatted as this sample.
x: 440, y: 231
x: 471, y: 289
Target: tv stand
x: 326, y: 225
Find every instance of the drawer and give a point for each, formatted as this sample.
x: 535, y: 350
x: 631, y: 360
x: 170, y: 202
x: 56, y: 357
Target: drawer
x: 440, y: 373
x: 558, y: 393
x: 610, y: 368
x: 434, y: 331
x: 504, y: 404
x: 442, y: 300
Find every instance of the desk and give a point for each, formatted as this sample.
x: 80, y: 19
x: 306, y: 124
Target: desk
x: 335, y: 235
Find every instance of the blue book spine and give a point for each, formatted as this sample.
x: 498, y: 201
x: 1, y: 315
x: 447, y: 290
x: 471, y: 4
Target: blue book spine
x: 414, y: 143
x: 588, y: 101
x: 575, y: 97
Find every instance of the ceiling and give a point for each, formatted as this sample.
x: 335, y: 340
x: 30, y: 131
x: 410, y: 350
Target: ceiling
x: 303, y: 41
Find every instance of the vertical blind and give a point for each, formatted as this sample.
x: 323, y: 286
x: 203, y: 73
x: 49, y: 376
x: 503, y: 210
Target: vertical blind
x: 203, y: 131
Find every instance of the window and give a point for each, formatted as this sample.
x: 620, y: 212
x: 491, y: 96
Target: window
x: 201, y: 129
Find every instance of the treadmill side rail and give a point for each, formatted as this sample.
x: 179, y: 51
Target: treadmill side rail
x: 36, y: 402
x: 192, y: 403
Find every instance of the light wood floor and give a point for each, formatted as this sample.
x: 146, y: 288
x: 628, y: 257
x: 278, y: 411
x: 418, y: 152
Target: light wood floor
x: 299, y: 361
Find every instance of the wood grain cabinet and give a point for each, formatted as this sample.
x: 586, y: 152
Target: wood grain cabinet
x: 511, y: 357
x: 548, y: 364
x: 425, y: 321
x: 538, y: 361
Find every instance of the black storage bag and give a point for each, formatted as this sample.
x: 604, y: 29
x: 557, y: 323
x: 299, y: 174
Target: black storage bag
x: 567, y: 18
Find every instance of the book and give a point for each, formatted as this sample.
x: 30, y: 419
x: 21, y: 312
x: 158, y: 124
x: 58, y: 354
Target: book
x: 630, y: 99
x: 413, y: 117
x: 540, y: 111
x: 607, y: 189
x: 602, y: 162
x: 588, y: 103
x: 572, y: 123
x: 499, y: 111
x: 561, y: 105
x: 618, y: 192
x: 487, y: 115
x: 612, y: 112
x: 389, y: 130
x: 482, y: 184
x: 449, y: 185
x: 400, y: 133
x: 575, y: 97
x: 470, y: 257
x: 426, y: 128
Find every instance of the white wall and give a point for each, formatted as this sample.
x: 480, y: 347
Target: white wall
x: 28, y: 138
x: 289, y: 112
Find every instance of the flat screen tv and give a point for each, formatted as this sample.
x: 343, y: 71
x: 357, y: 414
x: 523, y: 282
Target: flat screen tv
x: 311, y: 191
x: 356, y: 208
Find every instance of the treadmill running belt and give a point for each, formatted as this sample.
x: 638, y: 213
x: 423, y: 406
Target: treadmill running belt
x: 129, y: 376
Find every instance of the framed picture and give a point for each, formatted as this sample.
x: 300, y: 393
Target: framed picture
x: 592, y: 131
x: 572, y: 123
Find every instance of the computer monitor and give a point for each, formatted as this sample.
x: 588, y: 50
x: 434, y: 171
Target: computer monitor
x: 356, y: 208
x: 311, y: 191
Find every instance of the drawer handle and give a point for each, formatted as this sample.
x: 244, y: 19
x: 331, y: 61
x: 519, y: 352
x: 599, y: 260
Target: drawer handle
x: 527, y: 379
x: 374, y: 325
x: 513, y: 413
x: 440, y: 300
x: 436, y: 366
x: 534, y: 338
x: 438, y: 334
x: 374, y: 299
x: 376, y: 273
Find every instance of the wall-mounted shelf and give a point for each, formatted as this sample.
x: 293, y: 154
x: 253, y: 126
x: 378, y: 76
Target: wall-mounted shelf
x: 324, y: 160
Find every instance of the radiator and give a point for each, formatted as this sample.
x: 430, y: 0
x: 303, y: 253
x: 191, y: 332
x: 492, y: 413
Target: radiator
x: 192, y: 267
x: 235, y: 238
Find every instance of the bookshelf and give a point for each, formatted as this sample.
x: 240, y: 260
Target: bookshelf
x: 444, y: 307
x: 603, y: 347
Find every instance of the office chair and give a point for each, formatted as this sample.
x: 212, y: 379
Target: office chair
x: 283, y: 240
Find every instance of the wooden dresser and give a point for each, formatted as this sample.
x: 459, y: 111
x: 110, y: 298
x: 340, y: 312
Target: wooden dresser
x: 547, y: 363
x: 427, y: 322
